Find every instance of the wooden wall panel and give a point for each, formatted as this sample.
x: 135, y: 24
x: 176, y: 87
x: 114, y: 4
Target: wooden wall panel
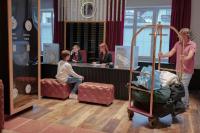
x: 88, y: 35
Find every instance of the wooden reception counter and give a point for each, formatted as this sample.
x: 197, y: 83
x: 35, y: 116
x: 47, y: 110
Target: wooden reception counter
x: 96, y: 73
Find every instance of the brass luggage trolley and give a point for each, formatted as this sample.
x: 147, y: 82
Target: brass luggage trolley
x: 157, y: 31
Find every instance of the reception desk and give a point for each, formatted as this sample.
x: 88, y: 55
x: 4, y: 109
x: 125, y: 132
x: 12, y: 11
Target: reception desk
x: 96, y: 73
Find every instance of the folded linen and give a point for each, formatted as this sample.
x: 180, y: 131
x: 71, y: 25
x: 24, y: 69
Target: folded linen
x: 168, y: 78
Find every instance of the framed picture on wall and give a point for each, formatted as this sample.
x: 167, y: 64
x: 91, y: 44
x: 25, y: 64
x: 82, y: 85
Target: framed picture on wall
x: 88, y: 9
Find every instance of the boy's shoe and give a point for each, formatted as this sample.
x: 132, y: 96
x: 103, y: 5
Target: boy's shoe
x: 73, y: 96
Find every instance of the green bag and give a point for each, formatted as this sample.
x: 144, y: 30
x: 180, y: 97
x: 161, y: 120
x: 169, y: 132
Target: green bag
x: 160, y: 96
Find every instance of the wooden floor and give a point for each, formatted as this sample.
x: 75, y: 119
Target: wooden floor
x: 23, y: 99
x: 112, y: 119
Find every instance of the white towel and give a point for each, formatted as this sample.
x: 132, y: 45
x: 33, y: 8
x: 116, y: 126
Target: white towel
x: 167, y: 78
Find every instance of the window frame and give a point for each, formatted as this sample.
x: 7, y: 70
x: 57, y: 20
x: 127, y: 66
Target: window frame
x: 154, y: 20
x: 50, y: 10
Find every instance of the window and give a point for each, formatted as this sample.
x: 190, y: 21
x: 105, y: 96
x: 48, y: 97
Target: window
x: 128, y: 26
x: 135, y: 18
x: 47, y: 26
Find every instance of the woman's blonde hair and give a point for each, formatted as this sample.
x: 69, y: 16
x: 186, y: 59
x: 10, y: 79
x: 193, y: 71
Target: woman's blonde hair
x: 105, y: 46
x: 185, y: 31
x: 77, y: 46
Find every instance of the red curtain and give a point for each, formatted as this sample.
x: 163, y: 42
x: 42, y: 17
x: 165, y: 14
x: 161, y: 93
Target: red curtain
x: 58, y: 27
x: 115, y: 24
x: 180, y: 18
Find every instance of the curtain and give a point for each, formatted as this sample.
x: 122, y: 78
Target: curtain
x: 180, y: 18
x: 115, y: 23
x: 58, y: 36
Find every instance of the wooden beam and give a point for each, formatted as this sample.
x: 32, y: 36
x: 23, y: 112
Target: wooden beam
x: 65, y: 42
x: 39, y: 53
x: 10, y: 54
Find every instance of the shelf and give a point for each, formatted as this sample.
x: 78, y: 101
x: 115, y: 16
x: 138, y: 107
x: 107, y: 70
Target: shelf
x: 22, y: 100
x: 139, y: 111
x: 167, y: 69
x: 139, y: 89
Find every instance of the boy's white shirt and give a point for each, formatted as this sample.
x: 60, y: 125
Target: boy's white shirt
x: 65, y: 70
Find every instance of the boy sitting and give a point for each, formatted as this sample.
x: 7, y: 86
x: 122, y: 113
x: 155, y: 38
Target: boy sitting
x: 66, y: 74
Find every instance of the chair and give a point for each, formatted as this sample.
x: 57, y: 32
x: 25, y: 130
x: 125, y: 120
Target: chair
x: 84, y: 55
x: 113, y: 56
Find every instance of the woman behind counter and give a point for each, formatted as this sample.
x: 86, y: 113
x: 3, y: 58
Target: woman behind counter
x: 105, y: 56
x: 76, y: 56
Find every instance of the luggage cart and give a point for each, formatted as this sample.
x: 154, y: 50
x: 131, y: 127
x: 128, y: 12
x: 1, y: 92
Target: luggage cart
x: 157, y: 31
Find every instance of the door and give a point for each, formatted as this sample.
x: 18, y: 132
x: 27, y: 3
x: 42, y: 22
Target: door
x: 24, y: 53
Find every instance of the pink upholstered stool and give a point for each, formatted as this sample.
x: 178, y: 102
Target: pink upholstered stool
x: 22, y: 82
x: 52, y: 88
x: 96, y: 93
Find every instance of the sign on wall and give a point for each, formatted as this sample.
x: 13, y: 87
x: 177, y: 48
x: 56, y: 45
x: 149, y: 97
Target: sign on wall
x: 50, y: 53
x: 122, y: 57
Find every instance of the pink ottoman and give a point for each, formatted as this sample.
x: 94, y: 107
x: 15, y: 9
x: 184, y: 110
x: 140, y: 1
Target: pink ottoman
x: 96, y: 93
x: 52, y: 88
